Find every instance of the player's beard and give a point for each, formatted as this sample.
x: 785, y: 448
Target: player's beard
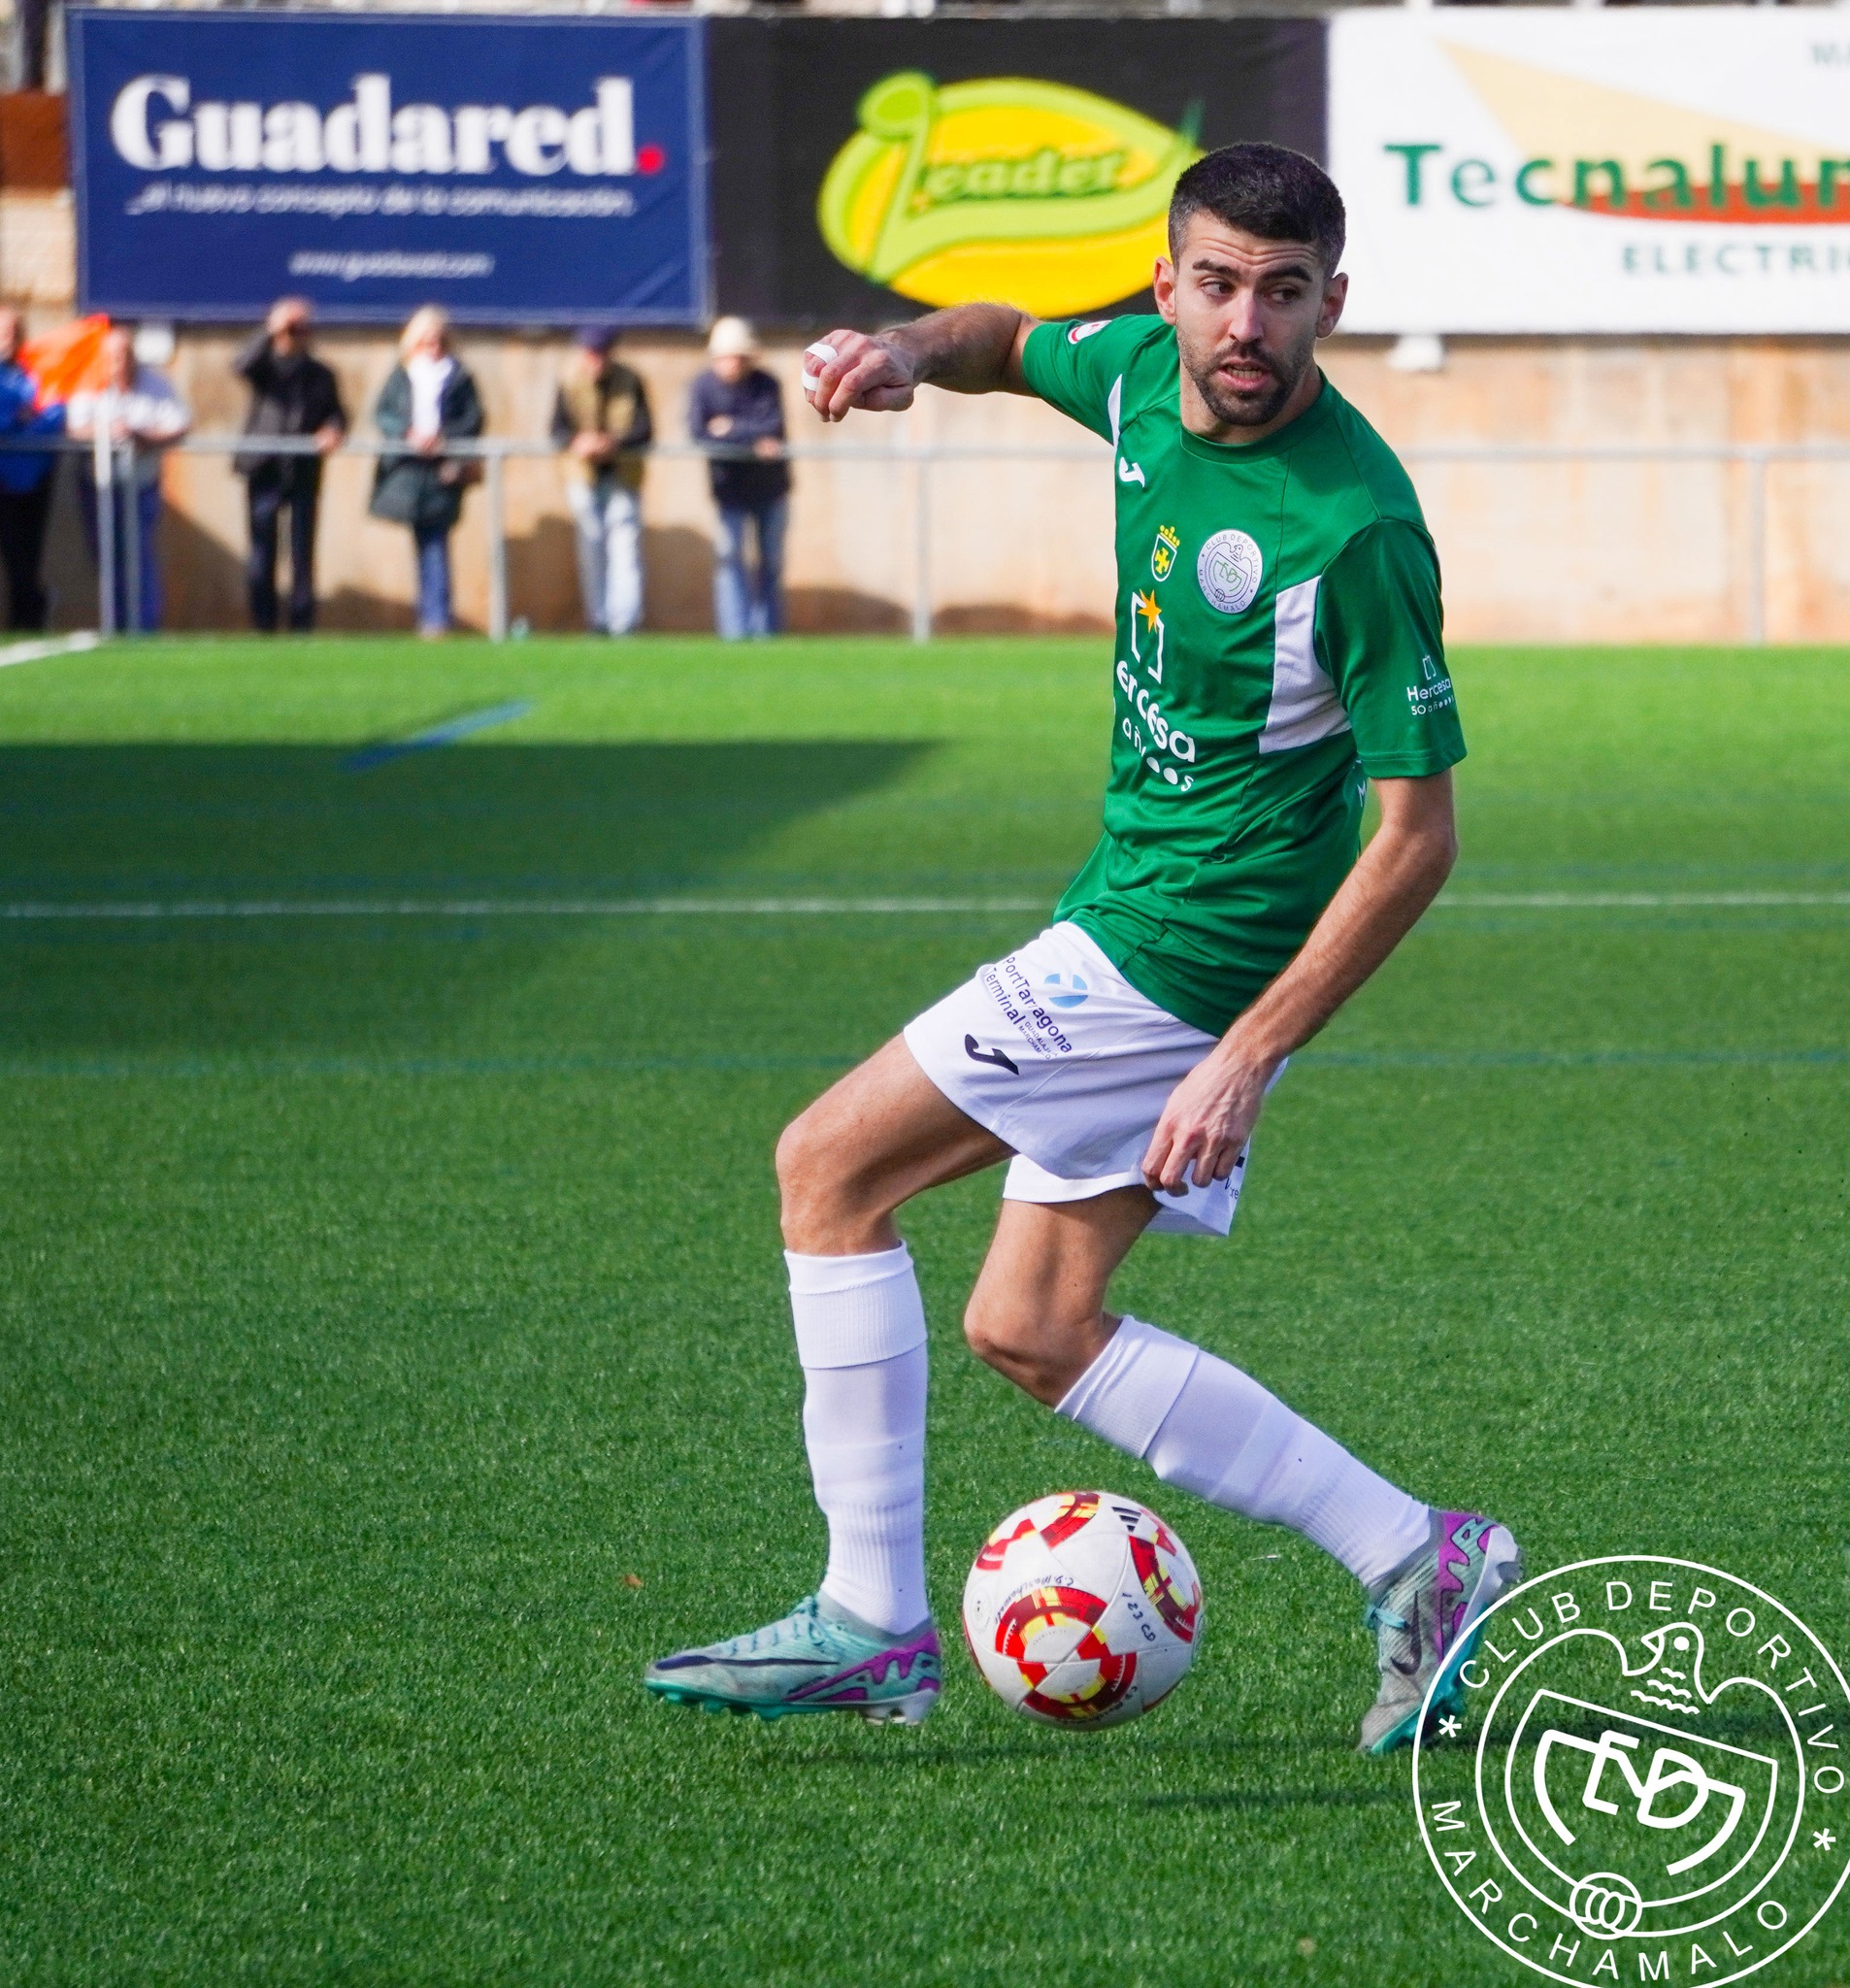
x: 1247, y: 410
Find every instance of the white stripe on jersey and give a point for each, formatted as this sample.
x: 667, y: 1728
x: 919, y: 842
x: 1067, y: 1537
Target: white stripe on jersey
x: 1305, y: 704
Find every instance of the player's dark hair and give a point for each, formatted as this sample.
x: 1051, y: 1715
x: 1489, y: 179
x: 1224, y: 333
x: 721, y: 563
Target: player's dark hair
x: 1265, y: 191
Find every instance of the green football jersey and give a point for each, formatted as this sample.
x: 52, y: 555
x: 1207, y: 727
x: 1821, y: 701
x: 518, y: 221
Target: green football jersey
x: 1278, y: 643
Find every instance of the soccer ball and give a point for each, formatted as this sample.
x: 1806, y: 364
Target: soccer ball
x: 1082, y: 1609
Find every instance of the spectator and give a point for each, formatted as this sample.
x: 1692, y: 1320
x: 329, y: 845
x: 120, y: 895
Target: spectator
x: 429, y: 398
x: 291, y: 394
x: 26, y: 482
x: 738, y: 405
x: 141, y: 409
x: 601, y: 420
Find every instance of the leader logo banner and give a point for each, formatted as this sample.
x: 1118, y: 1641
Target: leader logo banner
x: 1541, y: 171
x: 862, y: 166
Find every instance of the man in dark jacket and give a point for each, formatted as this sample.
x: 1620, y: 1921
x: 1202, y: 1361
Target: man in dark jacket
x: 291, y: 394
x: 738, y: 405
x: 601, y: 420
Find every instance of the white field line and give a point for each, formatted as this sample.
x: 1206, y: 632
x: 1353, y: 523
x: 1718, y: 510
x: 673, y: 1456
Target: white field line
x: 831, y: 906
x: 53, y: 645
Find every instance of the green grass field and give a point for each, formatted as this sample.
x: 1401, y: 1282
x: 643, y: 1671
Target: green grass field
x: 383, y: 1292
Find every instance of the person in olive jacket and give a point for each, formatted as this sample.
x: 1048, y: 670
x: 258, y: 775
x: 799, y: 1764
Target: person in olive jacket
x: 429, y: 398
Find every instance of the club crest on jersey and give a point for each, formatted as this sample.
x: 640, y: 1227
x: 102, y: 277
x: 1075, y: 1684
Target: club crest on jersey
x: 1229, y: 570
x: 1163, y: 552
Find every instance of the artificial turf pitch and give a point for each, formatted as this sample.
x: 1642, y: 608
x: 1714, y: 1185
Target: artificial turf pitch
x: 395, y: 1353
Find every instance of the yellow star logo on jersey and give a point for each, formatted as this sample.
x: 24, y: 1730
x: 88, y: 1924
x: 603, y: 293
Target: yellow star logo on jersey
x: 1145, y: 605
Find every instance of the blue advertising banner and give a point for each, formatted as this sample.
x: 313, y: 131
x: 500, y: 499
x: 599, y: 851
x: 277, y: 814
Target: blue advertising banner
x: 515, y: 171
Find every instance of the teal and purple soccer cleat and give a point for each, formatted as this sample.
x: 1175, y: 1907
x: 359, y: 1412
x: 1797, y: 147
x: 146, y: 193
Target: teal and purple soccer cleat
x: 1422, y: 1615
x: 816, y: 1659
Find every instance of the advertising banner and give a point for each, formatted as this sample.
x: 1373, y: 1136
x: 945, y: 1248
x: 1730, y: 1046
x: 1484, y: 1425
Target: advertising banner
x: 515, y: 171
x: 864, y: 169
x: 1636, y: 170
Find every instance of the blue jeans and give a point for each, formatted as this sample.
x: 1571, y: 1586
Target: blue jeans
x: 433, y: 581
x: 148, y: 523
x: 749, y: 602
x: 609, y: 521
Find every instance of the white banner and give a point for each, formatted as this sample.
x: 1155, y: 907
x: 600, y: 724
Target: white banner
x: 1549, y: 170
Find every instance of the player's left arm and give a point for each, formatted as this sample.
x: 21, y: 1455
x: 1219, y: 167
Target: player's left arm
x: 1210, y: 1115
x: 1379, y: 634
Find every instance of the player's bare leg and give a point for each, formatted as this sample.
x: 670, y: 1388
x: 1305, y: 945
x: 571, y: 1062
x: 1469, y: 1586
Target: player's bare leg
x: 1038, y: 1312
x: 1037, y: 1317
x: 864, y: 1642
x: 869, y: 1143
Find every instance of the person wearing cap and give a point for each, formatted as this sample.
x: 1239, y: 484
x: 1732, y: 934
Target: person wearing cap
x: 737, y: 410
x: 601, y: 420
x: 291, y: 394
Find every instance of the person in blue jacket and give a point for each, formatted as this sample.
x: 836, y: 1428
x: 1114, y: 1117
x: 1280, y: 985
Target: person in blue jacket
x: 737, y: 406
x: 28, y: 481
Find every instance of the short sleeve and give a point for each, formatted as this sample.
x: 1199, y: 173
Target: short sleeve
x: 1380, y: 635
x: 1076, y: 366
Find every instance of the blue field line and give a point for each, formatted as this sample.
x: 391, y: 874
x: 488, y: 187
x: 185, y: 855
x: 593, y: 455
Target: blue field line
x: 1327, y: 1061
x: 446, y: 734
x: 242, y: 1064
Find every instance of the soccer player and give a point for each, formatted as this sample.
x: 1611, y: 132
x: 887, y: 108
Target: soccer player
x: 1279, y: 647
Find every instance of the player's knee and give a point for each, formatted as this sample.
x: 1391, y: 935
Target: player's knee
x: 801, y: 1156
x: 814, y: 1182
x: 982, y: 1330
x: 1000, y: 1336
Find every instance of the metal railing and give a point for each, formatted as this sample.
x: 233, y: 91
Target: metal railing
x: 115, y: 464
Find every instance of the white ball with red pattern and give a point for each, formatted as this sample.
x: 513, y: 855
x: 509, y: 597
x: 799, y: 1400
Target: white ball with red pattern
x: 1082, y: 1609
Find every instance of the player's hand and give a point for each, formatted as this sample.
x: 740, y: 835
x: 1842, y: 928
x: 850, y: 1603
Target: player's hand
x: 1209, y: 1118
x: 848, y: 370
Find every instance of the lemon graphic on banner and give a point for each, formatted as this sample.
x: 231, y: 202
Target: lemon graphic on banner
x: 1041, y: 195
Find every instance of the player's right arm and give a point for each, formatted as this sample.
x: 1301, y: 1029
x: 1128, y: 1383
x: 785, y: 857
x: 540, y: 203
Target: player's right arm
x: 971, y: 348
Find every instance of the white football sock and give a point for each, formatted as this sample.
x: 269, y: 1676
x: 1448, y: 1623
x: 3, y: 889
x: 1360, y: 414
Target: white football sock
x: 860, y: 1338
x: 1205, y: 1424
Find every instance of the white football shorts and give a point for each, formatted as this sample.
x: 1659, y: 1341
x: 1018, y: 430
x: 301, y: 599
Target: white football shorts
x: 1055, y: 1053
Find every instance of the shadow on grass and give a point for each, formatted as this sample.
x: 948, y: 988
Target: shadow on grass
x: 126, y: 822
x: 261, y: 825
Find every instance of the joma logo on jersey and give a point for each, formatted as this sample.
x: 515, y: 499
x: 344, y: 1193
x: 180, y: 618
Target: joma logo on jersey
x: 1163, y: 552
